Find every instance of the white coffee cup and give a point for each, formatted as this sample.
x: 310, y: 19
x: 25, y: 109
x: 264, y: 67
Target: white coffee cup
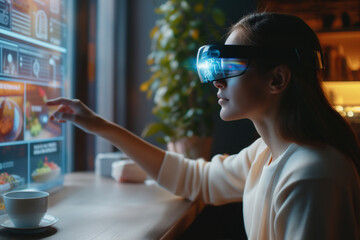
x: 26, y: 208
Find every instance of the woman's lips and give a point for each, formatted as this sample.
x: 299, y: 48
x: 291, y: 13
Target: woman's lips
x: 222, y: 99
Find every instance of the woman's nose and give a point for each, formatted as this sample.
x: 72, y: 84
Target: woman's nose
x: 220, y: 83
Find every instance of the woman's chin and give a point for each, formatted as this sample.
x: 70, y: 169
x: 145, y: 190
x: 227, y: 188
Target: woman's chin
x: 226, y: 117
x: 230, y: 116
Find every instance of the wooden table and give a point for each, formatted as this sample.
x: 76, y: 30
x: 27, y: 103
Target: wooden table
x: 93, y: 207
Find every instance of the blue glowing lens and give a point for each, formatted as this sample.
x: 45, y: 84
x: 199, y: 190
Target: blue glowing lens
x: 212, y: 67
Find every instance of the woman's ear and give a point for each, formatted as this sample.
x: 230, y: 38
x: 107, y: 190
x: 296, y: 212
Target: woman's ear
x: 281, y: 76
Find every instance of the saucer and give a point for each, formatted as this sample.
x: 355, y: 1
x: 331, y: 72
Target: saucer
x: 47, y: 221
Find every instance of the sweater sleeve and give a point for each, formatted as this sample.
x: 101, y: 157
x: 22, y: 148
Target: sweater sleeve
x: 217, y: 182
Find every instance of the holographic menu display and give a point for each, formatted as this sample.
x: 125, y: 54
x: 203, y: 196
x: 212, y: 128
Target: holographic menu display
x: 33, y: 51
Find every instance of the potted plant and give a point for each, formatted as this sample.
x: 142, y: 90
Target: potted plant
x: 184, y: 107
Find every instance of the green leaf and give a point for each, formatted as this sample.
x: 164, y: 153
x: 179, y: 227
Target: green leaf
x: 161, y: 140
x: 154, y: 128
x: 40, y: 164
x: 219, y: 17
x: 151, y: 129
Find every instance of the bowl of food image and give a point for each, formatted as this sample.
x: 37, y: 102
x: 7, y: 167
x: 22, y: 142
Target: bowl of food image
x: 11, y: 120
x: 9, y: 182
x: 46, y: 171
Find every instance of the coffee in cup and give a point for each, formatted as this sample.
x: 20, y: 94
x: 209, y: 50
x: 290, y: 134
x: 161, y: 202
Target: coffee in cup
x: 26, y: 208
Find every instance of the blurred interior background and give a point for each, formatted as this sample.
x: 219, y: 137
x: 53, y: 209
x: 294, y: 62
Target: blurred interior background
x: 112, y: 42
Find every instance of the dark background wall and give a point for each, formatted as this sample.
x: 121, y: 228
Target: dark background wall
x: 229, y: 137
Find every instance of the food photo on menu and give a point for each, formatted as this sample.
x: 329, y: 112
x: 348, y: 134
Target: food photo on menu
x: 11, y: 111
x: 13, y: 168
x: 45, y: 161
x: 46, y: 171
x: 38, y: 125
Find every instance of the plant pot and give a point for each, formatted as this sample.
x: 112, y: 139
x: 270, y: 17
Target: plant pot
x: 192, y: 147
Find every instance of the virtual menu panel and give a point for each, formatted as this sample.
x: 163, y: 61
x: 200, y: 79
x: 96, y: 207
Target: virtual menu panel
x: 37, y: 165
x: 43, y: 20
x: 21, y: 60
x: 32, y: 70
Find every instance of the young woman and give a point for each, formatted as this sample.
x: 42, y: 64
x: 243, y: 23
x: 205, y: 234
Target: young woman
x: 300, y: 179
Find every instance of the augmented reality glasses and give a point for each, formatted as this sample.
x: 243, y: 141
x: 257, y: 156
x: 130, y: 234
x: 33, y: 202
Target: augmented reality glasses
x: 216, y: 62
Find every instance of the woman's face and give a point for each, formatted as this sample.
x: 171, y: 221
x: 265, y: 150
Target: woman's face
x: 245, y: 96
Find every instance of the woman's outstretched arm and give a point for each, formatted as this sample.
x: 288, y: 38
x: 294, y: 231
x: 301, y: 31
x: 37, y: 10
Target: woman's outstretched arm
x: 148, y: 156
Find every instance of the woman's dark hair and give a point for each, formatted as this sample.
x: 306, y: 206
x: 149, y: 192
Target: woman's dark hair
x: 305, y: 115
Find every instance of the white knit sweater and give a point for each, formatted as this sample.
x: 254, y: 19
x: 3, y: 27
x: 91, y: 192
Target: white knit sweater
x: 306, y: 193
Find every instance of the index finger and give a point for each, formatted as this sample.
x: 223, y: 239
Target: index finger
x: 61, y: 100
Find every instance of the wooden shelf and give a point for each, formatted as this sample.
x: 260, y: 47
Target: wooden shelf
x: 345, y: 44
